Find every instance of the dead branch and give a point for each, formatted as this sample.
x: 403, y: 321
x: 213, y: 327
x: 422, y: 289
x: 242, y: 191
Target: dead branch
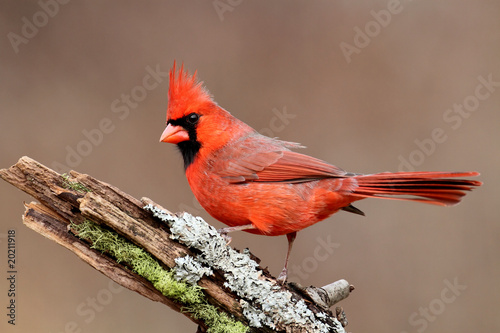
x: 233, y: 285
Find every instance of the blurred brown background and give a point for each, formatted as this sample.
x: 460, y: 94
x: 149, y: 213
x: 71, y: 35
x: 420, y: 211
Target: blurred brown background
x: 66, y: 67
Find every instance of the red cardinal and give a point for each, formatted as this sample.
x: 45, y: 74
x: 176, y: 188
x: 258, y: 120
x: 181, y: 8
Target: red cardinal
x: 257, y: 184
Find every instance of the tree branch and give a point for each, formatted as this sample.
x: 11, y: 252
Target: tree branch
x: 176, y: 259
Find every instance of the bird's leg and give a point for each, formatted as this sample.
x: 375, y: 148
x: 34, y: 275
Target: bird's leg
x: 224, y: 231
x: 283, y: 275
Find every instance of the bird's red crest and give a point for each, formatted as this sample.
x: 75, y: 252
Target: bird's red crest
x: 185, y: 94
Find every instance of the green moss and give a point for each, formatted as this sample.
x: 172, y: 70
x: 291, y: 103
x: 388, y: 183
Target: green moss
x: 76, y: 186
x: 191, y: 296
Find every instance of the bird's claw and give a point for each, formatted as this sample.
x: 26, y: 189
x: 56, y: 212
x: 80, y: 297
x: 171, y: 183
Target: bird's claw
x: 282, y: 277
x: 223, y: 234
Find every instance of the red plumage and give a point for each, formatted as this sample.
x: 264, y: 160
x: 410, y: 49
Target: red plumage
x: 255, y: 183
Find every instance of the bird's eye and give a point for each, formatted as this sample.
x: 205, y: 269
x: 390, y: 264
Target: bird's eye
x: 193, y: 118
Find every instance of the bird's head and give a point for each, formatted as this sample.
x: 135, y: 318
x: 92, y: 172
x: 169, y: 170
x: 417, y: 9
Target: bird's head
x: 194, y: 120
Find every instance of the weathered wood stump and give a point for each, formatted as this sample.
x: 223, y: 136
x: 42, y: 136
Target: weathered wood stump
x: 176, y: 259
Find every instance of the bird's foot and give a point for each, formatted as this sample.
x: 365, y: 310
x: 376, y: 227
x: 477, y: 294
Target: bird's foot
x: 282, y: 277
x: 223, y: 233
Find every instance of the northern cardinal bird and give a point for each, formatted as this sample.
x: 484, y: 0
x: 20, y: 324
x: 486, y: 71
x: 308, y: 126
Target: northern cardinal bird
x: 257, y: 184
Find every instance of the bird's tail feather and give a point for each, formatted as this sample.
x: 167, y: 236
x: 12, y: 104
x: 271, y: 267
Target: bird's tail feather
x: 438, y: 188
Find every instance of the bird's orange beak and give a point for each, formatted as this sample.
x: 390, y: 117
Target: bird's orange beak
x: 174, y: 134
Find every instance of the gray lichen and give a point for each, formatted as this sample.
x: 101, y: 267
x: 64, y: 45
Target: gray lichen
x: 275, y: 307
x: 189, y: 270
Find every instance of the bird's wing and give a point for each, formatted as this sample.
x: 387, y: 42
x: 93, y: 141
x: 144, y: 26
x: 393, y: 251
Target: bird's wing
x: 276, y: 166
x: 296, y: 167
